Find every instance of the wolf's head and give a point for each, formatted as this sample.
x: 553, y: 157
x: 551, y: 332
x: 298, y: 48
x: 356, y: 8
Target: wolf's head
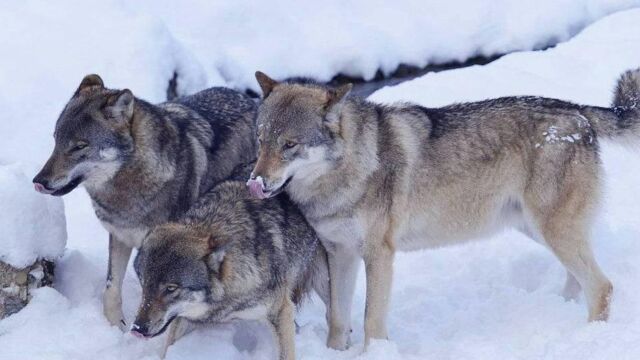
x: 92, y: 138
x: 298, y: 133
x: 179, y: 268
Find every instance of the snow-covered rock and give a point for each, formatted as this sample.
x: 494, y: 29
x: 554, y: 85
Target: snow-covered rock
x: 33, y: 233
x: 32, y: 226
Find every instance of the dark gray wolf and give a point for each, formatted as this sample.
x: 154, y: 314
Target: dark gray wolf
x: 230, y: 257
x: 374, y: 178
x: 144, y: 164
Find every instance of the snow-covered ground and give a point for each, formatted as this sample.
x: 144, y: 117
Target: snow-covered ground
x: 497, y: 299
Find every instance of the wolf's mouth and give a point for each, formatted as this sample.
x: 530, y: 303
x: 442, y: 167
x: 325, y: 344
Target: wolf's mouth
x: 164, y: 328
x: 257, y: 190
x: 277, y: 191
x: 69, y: 187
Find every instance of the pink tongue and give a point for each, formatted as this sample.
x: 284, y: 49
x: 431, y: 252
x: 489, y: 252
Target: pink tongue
x: 255, y: 188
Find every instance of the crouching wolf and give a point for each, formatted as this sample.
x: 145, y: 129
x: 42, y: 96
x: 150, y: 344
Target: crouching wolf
x: 374, y: 178
x: 230, y: 257
x: 144, y: 164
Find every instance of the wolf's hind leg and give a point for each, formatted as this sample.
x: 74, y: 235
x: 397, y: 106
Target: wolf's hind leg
x: 119, y: 254
x: 571, y: 287
x: 564, y: 229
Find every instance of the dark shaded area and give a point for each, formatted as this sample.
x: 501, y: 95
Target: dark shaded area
x: 172, y: 89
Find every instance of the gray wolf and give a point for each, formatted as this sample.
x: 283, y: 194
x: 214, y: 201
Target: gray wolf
x: 230, y: 257
x: 144, y: 164
x: 372, y: 179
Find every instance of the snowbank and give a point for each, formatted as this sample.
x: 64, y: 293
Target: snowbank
x: 32, y: 226
x: 49, y: 47
x: 321, y: 39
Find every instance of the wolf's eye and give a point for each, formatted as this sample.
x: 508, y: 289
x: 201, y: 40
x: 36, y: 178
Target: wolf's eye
x: 79, y: 146
x: 171, y: 288
x: 289, y: 145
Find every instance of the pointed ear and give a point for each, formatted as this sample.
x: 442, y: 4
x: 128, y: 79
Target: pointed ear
x: 335, y: 99
x: 216, y: 256
x: 90, y: 81
x: 266, y: 83
x: 120, y: 105
x: 335, y: 96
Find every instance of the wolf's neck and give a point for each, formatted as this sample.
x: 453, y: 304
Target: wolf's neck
x: 148, y: 167
x: 341, y: 182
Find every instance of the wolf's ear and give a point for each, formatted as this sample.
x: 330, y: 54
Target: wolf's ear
x: 333, y: 105
x: 89, y: 81
x: 335, y: 96
x: 120, y: 105
x: 266, y: 83
x: 216, y: 255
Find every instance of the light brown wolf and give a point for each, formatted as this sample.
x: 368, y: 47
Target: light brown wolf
x: 372, y: 179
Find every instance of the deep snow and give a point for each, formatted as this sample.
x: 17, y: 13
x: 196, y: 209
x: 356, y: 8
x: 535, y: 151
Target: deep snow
x: 497, y: 299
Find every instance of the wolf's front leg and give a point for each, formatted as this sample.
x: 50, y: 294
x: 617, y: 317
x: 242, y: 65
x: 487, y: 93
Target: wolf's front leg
x: 119, y: 254
x: 379, y: 270
x: 179, y: 328
x: 285, y: 330
x: 343, y: 270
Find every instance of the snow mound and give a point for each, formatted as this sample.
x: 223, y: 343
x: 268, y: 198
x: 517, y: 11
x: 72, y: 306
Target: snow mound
x: 32, y: 226
x: 358, y: 38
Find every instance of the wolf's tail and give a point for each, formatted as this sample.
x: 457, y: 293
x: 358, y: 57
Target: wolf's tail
x: 623, y: 119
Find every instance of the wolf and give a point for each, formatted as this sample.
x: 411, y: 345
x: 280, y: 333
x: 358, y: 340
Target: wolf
x: 230, y: 257
x: 144, y: 164
x: 372, y: 179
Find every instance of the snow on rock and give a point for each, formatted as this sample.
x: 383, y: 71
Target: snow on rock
x: 32, y: 226
x: 234, y: 39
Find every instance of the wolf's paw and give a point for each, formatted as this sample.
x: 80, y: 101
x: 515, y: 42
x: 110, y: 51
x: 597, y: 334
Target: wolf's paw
x: 112, y: 310
x: 339, y: 339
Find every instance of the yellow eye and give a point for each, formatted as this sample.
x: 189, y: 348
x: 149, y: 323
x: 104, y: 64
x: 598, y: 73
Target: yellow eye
x: 289, y: 145
x: 172, y: 287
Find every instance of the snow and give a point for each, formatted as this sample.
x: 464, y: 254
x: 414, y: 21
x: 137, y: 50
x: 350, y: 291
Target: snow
x: 498, y: 299
x: 357, y: 38
x: 32, y: 226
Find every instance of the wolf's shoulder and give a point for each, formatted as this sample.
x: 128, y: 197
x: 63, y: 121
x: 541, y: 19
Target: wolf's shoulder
x: 219, y: 101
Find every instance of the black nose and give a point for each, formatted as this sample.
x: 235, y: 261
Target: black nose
x: 139, y: 331
x: 41, y: 185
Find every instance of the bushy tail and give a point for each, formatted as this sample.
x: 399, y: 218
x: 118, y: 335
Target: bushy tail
x: 623, y: 119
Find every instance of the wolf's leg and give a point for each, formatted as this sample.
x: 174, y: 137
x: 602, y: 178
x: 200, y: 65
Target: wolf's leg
x: 564, y: 229
x: 177, y: 329
x: 320, y: 280
x: 571, y: 287
x: 343, y: 270
x: 379, y: 269
x: 283, y: 325
x: 573, y: 250
x: 119, y: 254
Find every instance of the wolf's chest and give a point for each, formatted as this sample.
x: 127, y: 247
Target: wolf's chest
x: 132, y: 237
x: 348, y: 231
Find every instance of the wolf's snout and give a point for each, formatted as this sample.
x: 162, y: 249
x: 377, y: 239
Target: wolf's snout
x: 41, y: 185
x: 139, y: 331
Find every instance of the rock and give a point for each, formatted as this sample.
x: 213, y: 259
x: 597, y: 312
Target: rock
x: 16, y: 284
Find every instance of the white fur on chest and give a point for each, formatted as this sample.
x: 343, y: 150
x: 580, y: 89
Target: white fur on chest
x: 132, y: 237
x: 348, y: 231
